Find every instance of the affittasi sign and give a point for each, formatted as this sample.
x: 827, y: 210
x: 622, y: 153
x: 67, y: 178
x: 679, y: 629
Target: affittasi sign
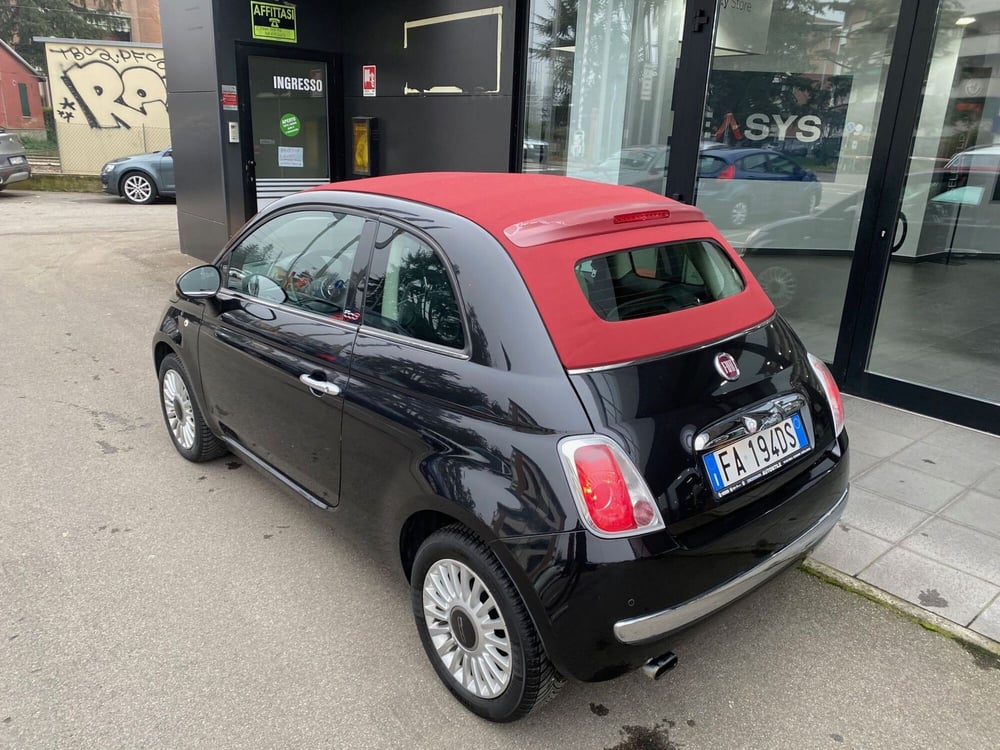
x: 273, y: 22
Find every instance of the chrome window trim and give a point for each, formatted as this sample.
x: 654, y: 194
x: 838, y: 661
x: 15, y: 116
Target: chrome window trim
x: 398, y: 338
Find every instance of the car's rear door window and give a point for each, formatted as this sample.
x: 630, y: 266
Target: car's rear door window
x: 657, y: 279
x: 410, y: 292
x: 709, y: 166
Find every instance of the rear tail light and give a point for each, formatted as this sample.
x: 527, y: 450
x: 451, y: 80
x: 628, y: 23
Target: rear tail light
x: 831, y: 390
x: 611, y: 495
x: 729, y: 173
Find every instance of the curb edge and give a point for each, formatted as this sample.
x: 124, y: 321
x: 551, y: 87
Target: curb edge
x: 924, y: 618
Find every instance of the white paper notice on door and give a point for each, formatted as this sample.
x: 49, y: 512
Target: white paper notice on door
x: 289, y: 156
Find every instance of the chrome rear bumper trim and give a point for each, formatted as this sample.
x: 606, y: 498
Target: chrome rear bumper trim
x: 659, y: 624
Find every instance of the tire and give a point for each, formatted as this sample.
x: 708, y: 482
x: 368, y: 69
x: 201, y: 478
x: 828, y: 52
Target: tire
x: 779, y: 284
x: 137, y: 188
x: 739, y: 212
x: 188, y: 431
x: 496, y: 667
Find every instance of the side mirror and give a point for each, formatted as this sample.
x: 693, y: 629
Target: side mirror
x: 199, y: 282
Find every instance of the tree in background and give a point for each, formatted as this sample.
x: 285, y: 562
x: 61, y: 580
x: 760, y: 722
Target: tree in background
x: 22, y: 20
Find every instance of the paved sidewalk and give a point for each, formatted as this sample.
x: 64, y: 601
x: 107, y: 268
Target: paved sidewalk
x: 923, y: 520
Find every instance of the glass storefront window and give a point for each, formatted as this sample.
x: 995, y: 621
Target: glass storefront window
x: 794, y: 97
x: 793, y: 105
x: 599, y: 86
x: 938, y: 323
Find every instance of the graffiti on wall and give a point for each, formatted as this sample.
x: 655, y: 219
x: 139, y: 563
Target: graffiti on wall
x: 108, y: 86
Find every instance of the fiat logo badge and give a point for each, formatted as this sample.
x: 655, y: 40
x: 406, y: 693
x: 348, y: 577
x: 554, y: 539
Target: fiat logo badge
x: 726, y: 366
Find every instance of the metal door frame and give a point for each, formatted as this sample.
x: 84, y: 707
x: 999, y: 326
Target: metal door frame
x: 334, y: 116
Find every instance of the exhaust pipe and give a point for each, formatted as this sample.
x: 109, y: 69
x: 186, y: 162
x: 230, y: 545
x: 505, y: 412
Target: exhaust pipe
x: 658, y: 666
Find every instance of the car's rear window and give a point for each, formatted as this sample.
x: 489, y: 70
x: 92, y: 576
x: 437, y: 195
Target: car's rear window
x: 657, y: 279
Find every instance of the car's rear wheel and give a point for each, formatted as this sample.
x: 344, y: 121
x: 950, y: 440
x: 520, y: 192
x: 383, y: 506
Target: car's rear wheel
x: 138, y: 188
x: 190, y: 434
x: 739, y: 212
x: 476, y: 630
x: 779, y: 284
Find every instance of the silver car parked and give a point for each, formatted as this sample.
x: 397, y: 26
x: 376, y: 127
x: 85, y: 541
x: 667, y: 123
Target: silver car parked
x: 14, y: 165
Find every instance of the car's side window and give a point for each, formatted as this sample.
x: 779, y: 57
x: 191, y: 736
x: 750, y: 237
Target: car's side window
x: 781, y: 165
x: 709, y: 166
x: 754, y: 163
x: 409, y: 291
x: 303, y: 258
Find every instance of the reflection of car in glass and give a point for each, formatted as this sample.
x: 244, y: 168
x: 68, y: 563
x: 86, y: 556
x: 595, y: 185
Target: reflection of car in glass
x: 959, y: 210
x: 14, y: 165
x: 730, y: 188
x: 637, y: 166
x: 726, y: 176
x: 623, y: 442
x: 142, y: 178
x: 979, y: 156
x: 535, y: 150
x: 946, y: 213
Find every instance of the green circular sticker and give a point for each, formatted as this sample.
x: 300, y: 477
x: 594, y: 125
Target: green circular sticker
x: 290, y: 125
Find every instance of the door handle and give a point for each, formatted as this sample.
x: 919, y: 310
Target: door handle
x: 320, y: 387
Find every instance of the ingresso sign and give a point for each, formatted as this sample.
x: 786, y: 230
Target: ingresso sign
x: 273, y: 22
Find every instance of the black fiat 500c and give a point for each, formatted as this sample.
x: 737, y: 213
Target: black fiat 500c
x: 565, y: 410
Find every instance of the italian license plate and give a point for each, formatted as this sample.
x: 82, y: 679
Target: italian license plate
x: 741, y: 462
x: 18, y: 160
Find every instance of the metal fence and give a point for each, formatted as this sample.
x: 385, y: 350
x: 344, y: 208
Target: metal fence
x: 84, y: 150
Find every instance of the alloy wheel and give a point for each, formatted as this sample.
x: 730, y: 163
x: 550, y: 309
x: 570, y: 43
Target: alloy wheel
x: 467, y: 629
x: 137, y: 188
x: 739, y: 213
x: 177, y: 406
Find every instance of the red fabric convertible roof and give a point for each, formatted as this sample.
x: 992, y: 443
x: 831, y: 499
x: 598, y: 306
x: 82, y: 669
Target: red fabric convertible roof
x: 548, y: 223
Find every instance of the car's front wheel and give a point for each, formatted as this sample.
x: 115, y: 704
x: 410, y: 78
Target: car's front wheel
x: 476, y: 630
x: 190, y: 434
x: 138, y: 188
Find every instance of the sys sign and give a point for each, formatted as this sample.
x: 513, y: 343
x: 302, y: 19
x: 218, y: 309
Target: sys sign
x: 273, y: 23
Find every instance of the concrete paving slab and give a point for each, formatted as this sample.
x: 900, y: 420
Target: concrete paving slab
x: 958, y: 546
x: 978, y: 510
x: 952, y: 464
x: 908, y: 486
x: 990, y: 484
x: 880, y: 516
x: 888, y: 418
x: 985, y: 448
x: 861, y: 461
x: 876, y: 441
x: 849, y: 549
x: 988, y: 623
x: 956, y: 595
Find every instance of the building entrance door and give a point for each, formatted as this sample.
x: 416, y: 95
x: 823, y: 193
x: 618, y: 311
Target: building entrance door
x: 289, y: 125
x: 932, y: 342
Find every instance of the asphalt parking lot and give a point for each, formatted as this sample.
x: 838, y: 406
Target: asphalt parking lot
x: 150, y: 602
